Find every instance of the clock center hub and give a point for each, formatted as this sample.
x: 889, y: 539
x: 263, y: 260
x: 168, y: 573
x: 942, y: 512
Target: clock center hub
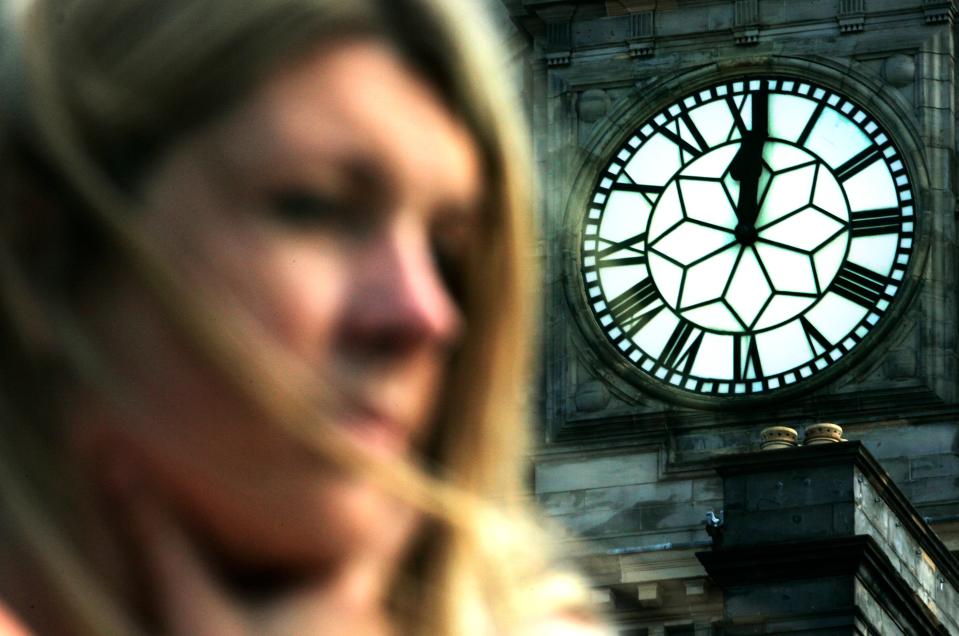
x: 746, y: 234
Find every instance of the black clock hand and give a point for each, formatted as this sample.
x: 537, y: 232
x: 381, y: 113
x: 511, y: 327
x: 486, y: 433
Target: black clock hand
x: 747, y: 165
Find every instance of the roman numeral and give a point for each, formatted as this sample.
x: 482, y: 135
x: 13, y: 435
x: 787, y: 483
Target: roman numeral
x: 858, y: 163
x: 860, y: 285
x: 680, y: 353
x: 873, y: 222
x: 679, y: 141
x: 631, y: 309
x: 605, y: 258
x: 818, y: 343
x: 700, y: 141
x: 649, y: 191
x: 638, y: 187
x: 748, y: 366
x: 632, y: 326
x: 804, y: 137
x: 738, y: 122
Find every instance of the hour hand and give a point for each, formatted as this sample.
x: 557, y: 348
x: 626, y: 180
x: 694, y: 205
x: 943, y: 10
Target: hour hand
x: 747, y: 169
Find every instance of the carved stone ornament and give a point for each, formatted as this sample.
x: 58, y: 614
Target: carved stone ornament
x: 641, y: 34
x: 592, y: 105
x: 852, y: 16
x: 591, y: 397
x: 939, y: 11
x: 746, y: 22
x: 899, y: 70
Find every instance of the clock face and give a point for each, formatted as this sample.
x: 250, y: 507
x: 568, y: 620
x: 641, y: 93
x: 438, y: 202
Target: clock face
x: 747, y: 237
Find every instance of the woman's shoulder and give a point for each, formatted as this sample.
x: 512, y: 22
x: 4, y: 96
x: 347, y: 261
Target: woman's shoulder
x: 567, y: 608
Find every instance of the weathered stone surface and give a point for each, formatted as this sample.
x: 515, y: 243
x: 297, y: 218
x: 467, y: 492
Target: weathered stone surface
x: 580, y: 473
x: 945, y: 465
x: 915, y: 441
x: 707, y: 489
x: 796, y: 597
x: 901, y: 365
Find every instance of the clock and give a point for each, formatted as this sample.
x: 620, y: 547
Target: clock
x: 748, y: 238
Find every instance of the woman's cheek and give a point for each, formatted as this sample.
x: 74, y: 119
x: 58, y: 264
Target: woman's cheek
x: 255, y: 494
x: 294, y: 286
x: 189, y: 437
x: 311, y: 289
x: 297, y: 516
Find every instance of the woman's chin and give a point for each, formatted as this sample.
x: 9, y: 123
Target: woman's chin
x: 288, y: 538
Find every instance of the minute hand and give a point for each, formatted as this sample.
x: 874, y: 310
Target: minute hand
x: 747, y: 165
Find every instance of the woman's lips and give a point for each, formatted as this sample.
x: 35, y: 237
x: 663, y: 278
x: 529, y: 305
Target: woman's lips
x: 376, y: 432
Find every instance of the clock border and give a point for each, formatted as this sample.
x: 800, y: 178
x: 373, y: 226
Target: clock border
x: 889, y: 110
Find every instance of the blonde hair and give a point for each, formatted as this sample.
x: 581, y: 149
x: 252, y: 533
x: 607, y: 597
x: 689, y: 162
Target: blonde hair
x: 107, y: 85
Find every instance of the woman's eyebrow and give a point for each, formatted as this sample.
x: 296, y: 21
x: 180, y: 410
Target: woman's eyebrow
x: 370, y: 178
x: 367, y: 174
x: 350, y: 175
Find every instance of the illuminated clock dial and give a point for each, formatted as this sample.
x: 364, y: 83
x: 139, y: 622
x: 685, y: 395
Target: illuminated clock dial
x: 747, y: 237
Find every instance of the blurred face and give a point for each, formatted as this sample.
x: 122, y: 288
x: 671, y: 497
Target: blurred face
x: 322, y: 207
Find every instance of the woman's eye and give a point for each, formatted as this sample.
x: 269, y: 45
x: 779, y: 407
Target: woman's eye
x: 450, y: 268
x: 452, y: 247
x: 306, y: 209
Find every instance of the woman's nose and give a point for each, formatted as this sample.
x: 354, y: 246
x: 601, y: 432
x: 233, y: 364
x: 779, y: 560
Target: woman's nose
x: 400, y: 300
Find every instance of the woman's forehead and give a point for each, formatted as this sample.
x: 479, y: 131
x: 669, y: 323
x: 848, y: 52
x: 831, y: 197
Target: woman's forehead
x: 358, y: 106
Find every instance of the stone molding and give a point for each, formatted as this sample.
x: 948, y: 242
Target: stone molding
x: 746, y: 22
x: 559, y: 33
x: 642, y: 34
x: 939, y: 11
x: 852, y: 16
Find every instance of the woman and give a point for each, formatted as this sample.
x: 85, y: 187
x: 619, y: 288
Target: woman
x: 266, y: 308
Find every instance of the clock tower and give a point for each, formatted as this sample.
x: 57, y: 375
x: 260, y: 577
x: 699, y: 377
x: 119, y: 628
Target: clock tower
x: 748, y: 219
